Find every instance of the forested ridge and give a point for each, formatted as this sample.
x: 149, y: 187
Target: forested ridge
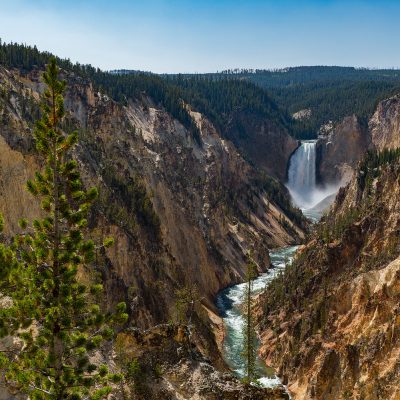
x: 331, y: 92
x: 221, y: 96
x: 333, y: 100
x: 217, y: 99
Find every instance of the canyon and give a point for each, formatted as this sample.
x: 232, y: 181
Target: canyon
x: 330, y: 324
x: 186, y: 202
x: 182, y: 215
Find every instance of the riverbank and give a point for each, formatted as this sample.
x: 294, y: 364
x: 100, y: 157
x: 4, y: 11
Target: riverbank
x: 229, y: 302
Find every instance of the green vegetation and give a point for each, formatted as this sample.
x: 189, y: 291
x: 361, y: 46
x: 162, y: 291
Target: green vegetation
x: 279, y: 288
x: 249, y: 353
x: 187, y: 299
x: 278, y: 194
x: 54, y: 315
x: 371, y: 165
x: 128, y: 195
x: 123, y: 198
x: 137, y: 375
x: 221, y: 97
x: 330, y: 92
x: 318, y: 74
x: 332, y: 101
x: 332, y: 227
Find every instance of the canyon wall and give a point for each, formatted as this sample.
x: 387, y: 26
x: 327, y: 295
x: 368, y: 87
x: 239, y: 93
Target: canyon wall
x: 385, y: 124
x: 341, y: 146
x: 264, y: 143
x: 339, y: 150
x: 331, y: 324
x: 181, y: 214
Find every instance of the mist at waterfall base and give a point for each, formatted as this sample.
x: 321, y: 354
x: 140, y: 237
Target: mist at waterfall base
x: 302, y: 183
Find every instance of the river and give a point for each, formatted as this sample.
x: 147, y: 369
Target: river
x: 306, y: 195
x: 229, y: 301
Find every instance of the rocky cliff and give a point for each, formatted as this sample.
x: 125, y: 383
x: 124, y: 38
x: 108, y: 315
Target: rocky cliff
x: 341, y: 146
x: 339, y: 149
x: 182, y: 214
x: 264, y: 143
x: 161, y: 363
x: 385, y: 124
x: 331, y: 324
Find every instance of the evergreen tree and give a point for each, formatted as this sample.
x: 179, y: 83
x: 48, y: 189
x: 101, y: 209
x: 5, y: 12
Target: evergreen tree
x: 249, y: 353
x: 53, y: 314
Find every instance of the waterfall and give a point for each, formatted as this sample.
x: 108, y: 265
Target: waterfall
x: 312, y: 199
x: 301, y: 175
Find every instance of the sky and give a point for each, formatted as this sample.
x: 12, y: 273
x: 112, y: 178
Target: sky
x: 208, y: 35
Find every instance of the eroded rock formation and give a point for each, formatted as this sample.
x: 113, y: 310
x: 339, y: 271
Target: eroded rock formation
x: 181, y: 214
x: 385, y: 124
x: 332, y: 324
x: 168, y: 366
x: 340, y: 149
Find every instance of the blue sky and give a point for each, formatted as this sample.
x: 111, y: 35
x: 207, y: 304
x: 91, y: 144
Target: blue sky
x: 205, y: 35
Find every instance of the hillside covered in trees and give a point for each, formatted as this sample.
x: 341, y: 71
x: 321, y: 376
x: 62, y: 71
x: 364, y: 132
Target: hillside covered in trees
x: 216, y: 98
x: 240, y: 111
x: 331, y: 93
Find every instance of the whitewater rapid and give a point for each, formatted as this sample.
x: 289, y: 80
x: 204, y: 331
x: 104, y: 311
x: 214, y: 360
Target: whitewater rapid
x: 229, y: 303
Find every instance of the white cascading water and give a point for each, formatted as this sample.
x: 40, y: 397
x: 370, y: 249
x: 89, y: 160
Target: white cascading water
x: 301, y: 175
x: 302, y: 180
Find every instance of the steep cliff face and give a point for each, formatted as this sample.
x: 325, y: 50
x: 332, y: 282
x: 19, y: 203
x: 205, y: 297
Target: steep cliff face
x: 339, y: 149
x: 332, y: 324
x: 341, y: 146
x: 264, y: 143
x: 385, y: 124
x: 181, y: 214
x: 167, y: 366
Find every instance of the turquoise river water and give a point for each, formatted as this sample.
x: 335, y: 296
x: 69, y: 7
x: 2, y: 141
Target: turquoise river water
x: 229, y: 303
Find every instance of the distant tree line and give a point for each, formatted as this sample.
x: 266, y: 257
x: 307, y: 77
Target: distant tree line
x: 330, y: 92
x: 121, y: 87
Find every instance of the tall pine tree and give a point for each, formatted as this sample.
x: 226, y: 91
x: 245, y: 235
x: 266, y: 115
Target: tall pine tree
x: 54, y: 315
x: 249, y: 352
